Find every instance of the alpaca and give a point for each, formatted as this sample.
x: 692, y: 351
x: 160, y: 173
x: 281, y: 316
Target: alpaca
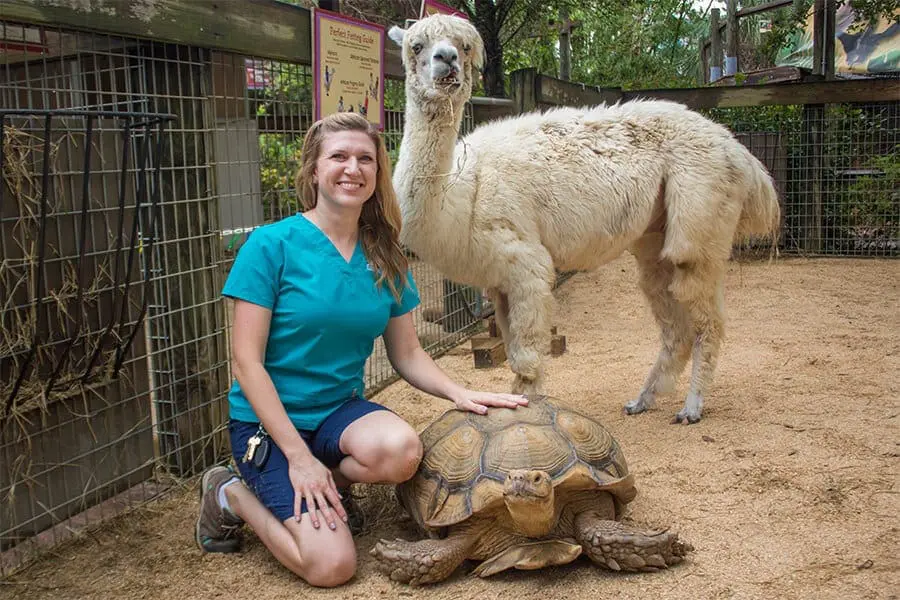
x: 572, y: 189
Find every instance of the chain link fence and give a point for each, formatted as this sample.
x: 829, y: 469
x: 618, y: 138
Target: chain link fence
x: 837, y: 169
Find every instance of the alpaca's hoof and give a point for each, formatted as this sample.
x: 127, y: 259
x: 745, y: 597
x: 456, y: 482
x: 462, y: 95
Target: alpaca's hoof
x: 642, y: 404
x: 525, y: 386
x: 690, y: 414
x: 682, y: 417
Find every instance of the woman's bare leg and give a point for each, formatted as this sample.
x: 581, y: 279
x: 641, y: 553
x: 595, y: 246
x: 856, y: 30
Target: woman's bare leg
x: 321, y: 556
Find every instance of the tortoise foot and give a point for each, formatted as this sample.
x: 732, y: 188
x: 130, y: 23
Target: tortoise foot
x: 417, y: 563
x: 620, y: 547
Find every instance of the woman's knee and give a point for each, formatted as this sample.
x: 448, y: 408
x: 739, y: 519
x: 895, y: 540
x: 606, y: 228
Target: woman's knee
x: 323, y: 558
x: 330, y: 571
x: 401, y: 456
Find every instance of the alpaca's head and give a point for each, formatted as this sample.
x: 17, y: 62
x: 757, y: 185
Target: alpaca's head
x: 442, y: 55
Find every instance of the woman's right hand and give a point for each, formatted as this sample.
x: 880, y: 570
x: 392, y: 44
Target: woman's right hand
x: 313, y: 481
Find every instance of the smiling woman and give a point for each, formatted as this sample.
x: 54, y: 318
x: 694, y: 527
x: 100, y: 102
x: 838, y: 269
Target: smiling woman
x: 312, y: 293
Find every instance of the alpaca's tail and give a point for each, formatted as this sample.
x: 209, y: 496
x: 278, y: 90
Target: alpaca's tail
x: 761, y: 213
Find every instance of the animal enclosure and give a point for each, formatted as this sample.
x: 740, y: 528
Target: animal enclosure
x: 75, y: 457
x: 786, y: 489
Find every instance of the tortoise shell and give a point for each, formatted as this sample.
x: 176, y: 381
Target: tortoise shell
x: 467, y: 457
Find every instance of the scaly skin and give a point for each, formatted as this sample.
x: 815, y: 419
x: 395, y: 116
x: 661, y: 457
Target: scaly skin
x: 425, y: 561
x: 621, y: 547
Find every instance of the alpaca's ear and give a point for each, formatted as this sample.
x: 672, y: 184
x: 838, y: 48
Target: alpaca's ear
x: 396, y: 34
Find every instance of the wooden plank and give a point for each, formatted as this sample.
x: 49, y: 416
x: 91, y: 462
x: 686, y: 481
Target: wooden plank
x: 828, y: 37
x: 490, y: 109
x: 524, y: 85
x: 763, y: 76
x: 567, y: 93
x: 854, y: 90
x: 263, y: 28
x: 731, y: 38
x: 488, y: 352
x: 818, y: 36
x: 715, y: 52
x: 752, y: 10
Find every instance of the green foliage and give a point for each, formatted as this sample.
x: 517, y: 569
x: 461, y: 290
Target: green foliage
x: 873, y: 200
x: 287, y: 98
x: 867, y: 178
x: 628, y: 43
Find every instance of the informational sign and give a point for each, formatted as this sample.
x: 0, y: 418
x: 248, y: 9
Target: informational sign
x: 348, y: 66
x: 430, y: 7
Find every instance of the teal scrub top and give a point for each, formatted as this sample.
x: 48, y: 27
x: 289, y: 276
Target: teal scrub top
x: 326, y: 314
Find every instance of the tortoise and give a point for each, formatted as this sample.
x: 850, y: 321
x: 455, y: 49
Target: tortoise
x: 521, y: 488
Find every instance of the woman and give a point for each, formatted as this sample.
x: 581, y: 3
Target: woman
x: 311, y: 294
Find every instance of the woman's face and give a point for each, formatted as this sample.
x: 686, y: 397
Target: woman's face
x: 346, y: 169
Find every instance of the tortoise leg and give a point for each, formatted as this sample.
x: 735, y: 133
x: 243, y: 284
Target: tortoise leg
x: 530, y: 555
x: 621, y: 547
x: 424, y: 561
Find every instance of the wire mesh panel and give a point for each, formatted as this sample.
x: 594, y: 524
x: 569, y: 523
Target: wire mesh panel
x: 109, y: 320
x: 837, y: 168
x: 75, y: 283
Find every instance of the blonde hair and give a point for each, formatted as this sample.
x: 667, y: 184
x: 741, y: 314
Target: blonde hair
x: 380, y: 221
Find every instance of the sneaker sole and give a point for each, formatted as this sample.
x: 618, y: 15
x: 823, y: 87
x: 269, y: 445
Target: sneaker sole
x: 225, y: 546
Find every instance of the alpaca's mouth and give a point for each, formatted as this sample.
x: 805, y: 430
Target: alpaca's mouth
x: 449, y: 82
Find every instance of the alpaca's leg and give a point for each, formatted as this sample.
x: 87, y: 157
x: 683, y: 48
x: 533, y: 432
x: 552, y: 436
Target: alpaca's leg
x: 530, y: 298
x: 501, y: 312
x: 674, y: 320
x: 701, y: 289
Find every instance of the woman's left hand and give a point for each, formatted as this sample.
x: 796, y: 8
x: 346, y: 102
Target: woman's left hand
x: 478, y: 402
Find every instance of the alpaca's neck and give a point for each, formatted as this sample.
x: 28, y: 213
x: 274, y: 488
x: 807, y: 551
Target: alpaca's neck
x: 425, y: 172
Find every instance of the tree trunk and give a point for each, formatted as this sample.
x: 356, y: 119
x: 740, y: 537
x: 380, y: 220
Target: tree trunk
x: 485, y: 21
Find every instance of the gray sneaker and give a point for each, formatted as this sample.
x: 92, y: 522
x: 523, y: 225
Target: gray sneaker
x: 217, y: 530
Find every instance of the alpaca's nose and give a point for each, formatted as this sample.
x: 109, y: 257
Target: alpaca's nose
x: 448, y: 54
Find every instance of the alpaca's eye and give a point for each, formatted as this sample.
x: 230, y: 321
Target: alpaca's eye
x: 467, y: 48
x: 417, y: 48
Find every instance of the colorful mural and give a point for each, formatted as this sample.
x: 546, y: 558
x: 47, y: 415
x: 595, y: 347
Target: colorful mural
x: 870, y: 50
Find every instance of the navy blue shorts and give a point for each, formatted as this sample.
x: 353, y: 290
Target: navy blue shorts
x: 271, y: 484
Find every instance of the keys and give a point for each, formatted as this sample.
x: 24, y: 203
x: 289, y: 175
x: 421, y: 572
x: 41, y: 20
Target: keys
x: 252, y: 444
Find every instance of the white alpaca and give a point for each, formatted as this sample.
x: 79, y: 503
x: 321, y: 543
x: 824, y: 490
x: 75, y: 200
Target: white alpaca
x: 573, y: 189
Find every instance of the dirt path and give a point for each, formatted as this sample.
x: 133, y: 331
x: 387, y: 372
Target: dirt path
x: 788, y: 488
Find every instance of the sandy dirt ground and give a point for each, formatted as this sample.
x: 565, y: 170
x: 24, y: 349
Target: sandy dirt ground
x: 788, y: 488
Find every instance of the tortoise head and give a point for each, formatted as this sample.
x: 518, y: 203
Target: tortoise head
x: 528, y: 495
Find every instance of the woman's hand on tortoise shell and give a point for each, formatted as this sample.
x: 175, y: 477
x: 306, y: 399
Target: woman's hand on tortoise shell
x: 479, y: 402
